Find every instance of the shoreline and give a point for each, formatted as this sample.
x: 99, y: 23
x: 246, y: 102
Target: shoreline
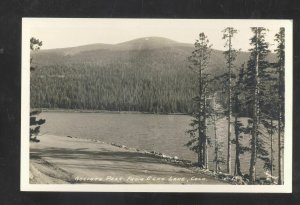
x: 62, y: 110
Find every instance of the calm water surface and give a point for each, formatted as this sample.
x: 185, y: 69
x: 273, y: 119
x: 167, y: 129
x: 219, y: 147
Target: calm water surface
x: 161, y: 133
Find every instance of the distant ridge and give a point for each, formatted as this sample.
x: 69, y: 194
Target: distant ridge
x: 155, y: 47
x: 76, y: 49
x: 135, y: 44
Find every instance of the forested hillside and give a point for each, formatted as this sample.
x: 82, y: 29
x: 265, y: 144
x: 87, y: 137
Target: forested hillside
x: 148, y: 74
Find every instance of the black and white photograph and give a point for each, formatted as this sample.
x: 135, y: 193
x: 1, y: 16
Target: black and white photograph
x: 156, y: 105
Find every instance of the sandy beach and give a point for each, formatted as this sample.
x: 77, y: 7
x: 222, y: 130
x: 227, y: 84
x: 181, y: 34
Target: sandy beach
x: 65, y: 159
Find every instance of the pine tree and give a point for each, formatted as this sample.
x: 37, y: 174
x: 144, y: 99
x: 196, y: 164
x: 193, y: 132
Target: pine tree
x: 35, y: 124
x: 280, y: 65
x: 35, y: 44
x: 199, y: 60
x: 239, y: 149
x: 230, y: 55
x: 256, y: 88
x: 268, y: 114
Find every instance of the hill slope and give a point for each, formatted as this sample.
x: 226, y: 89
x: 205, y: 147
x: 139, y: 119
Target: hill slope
x: 155, y: 49
x: 146, y: 74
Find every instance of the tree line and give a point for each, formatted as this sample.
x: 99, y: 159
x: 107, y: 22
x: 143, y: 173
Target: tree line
x: 116, y: 87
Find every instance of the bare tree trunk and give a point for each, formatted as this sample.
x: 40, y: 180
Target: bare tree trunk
x: 252, y: 171
x: 199, y: 151
x: 200, y: 137
x: 237, y: 170
x: 271, y: 138
x: 279, y: 131
x: 199, y: 143
x: 229, y: 144
x: 279, y: 147
x: 253, y: 146
x: 229, y: 111
x: 205, y: 151
x: 216, y: 144
x: 206, y: 155
x: 200, y: 164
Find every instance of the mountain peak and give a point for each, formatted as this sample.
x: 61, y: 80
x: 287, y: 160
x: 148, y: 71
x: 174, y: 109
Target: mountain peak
x: 153, y: 39
x: 147, y: 43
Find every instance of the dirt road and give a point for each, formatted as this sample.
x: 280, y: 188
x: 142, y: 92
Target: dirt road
x: 61, y: 159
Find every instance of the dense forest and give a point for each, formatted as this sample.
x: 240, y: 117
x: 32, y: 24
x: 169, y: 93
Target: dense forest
x: 147, y: 75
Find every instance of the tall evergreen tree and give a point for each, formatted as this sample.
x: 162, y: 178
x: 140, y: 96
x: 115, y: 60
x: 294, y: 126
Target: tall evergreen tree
x: 230, y: 55
x: 269, y: 113
x: 199, y: 62
x: 35, y: 124
x: 280, y: 65
x: 35, y: 44
x: 237, y: 89
x: 256, y: 87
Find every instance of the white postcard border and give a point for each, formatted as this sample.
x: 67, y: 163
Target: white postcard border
x: 28, y: 23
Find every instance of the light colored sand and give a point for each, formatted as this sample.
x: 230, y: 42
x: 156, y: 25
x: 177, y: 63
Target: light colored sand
x: 60, y: 159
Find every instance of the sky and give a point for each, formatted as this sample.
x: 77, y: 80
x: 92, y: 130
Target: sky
x: 61, y: 33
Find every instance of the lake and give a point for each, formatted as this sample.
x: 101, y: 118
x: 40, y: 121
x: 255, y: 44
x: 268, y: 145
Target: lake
x: 152, y: 132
